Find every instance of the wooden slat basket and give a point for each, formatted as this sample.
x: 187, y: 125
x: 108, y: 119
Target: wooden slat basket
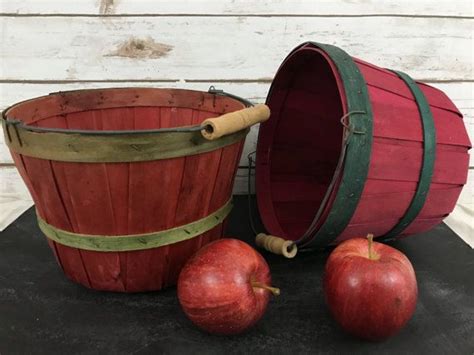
x: 126, y: 187
x: 351, y: 149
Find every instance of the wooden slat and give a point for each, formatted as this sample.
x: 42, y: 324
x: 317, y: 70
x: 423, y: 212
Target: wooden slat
x: 229, y: 7
x: 386, y: 206
x: 152, y: 209
x: 11, y: 93
x: 460, y: 93
x: 405, y: 162
x: 13, y: 191
x: 196, y: 48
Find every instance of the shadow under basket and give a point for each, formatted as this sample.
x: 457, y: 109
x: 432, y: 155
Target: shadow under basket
x: 124, y: 195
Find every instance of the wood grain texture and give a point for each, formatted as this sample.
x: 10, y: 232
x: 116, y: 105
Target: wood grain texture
x: 229, y: 7
x: 460, y: 93
x: 378, y: 31
x: 14, y: 196
x: 427, y: 48
x: 292, y: 149
x: 129, y: 198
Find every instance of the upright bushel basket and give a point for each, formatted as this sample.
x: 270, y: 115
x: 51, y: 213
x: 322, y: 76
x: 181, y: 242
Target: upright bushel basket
x: 125, y: 186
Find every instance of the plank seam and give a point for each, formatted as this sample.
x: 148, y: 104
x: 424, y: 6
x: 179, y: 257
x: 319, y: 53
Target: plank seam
x: 457, y: 17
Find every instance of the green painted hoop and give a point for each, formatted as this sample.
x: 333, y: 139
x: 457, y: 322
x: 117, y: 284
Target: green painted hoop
x: 429, y: 151
x: 106, y: 148
x: 355, y: 158
x: 115, y: 243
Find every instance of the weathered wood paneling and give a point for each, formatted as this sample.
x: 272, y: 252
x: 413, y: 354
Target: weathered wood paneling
x: 48, y: 46
x: 460, y: 93
x: 459, y: 219
x: 11, y: 93
x: 224, y: 48
x: 242, y: 7
x: 14, y: 196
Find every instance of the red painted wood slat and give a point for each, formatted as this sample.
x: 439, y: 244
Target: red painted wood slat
x: 300, y: 145
x: 128, y: 198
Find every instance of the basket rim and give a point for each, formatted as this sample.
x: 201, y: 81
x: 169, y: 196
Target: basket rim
x: 211, y: 93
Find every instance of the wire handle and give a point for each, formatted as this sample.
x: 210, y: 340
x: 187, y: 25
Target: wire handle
x: 279, y: 245
x: 349, y: 126
x: 213, y: 90
x: 19, y: 124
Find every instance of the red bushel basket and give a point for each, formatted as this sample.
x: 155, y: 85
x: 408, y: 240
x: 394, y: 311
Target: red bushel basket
x: 351, y: 149
x: 129, y: 183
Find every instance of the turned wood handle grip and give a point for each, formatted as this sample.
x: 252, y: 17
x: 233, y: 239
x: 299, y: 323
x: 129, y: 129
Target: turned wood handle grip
x: 276, y: 245
x: 232, y: 122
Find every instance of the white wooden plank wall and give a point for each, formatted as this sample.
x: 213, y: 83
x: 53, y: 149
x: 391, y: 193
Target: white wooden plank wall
x: 443, y: 8
x: 49, y: 45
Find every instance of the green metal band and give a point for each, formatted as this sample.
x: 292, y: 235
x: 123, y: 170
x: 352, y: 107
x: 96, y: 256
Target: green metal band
x: 135, y: 241
x: 427, y: 167
x: 358, y: 145
x: 106, y: 148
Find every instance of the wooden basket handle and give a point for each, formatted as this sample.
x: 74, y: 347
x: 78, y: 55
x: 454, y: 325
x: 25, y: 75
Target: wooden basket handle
x: 276, y: 245
x: 232, y: 122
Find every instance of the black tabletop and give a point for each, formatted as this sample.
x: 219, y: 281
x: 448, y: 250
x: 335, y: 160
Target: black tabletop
x: 42, y: 312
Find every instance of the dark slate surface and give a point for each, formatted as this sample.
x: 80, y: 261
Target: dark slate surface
x: 41, y: 312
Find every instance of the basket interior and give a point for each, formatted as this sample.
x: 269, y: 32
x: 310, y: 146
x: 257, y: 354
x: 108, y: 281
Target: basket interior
x: 300, y: 146
x: 122, y: 109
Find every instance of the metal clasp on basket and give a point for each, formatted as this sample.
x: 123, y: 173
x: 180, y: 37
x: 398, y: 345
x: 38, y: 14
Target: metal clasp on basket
x: 348, y: 125
x: 15, y: 124
x: 213, y: 90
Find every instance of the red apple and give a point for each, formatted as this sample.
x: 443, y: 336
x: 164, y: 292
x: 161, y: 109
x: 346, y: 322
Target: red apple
x: 370, y: 288
x: 224, y: 288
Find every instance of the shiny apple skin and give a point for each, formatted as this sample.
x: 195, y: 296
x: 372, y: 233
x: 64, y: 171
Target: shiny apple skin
x: 215, y: 290
x: 371, y: 299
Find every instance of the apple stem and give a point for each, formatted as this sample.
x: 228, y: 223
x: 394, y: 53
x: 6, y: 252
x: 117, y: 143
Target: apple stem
x: 372, y: 256
x: 274, y: 290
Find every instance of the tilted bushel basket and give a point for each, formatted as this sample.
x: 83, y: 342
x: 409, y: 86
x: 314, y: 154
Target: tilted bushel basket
x: 128, y: 183
x: 351, y: 149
